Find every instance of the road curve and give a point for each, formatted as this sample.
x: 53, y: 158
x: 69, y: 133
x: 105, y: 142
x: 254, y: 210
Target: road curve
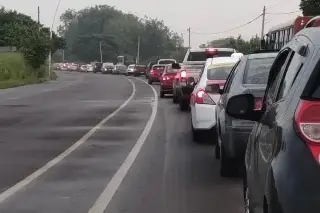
x: 170, y: 173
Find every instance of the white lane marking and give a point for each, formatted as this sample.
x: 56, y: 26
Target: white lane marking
x: 104, y: 199
x: 23, y: 183
x: 13, y: 98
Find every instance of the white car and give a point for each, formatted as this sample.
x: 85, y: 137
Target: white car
x: 89, y: 68
x: 130, y: 69
x: 205, y: 96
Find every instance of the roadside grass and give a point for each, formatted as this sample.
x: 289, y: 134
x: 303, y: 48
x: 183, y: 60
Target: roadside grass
x: 14, y: 71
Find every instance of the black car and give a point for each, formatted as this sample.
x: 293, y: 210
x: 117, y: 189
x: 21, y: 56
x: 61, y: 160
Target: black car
x: 97, y: 67
x: 282, y: 170
x: 249, y: 75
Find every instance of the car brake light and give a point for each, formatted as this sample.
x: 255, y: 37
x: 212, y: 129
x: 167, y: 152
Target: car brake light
x: 210, y: 52
x: 203, y: 98
x: 307, y: 125
x: 257, y: 103
x: 183, y: 74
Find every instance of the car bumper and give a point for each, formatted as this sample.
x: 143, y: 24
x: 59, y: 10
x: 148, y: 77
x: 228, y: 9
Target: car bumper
x: 203, y: 116
x: 154, y: 78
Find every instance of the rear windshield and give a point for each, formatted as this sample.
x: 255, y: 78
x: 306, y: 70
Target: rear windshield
x: 170, y: 70
x: 166, y: 62
x: 193, y: 68
x: 219, y: 73
x: 131, y: 66
x: 201, y: 56
x: 257, y: 71
x: 158, y: 67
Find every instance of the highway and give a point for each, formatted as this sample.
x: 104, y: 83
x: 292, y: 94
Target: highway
x: 103, y: 143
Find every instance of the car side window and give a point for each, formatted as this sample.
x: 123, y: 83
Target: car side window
x: 290, y: 75
x: 231, y: 77
x: 274, y: 77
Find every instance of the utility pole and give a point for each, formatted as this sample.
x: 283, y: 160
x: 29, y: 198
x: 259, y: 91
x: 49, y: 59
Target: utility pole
x: 100, y: 51
x: 63, y: 55
x: 38, y: 15
x: 263, y: 23
x: 189, y: 32
x: 138, y: 52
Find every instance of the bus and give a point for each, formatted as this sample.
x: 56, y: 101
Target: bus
x: 281, y: 34
x: 120, y: 59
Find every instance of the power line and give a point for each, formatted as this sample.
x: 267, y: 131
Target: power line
x: 247, y: 23
x: 284, y: 13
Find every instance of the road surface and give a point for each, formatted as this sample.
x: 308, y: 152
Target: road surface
x: 104, y: 143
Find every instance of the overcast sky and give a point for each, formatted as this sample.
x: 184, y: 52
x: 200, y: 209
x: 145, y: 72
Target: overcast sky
x: 202, y: 16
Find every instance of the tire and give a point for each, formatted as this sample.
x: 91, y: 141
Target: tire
x: 147, y: 76
x: 183, y: 105
x: 196, y: 135
x: 161, y: 93
x: 174, y: 98
x: 149, y: 81
x: 217, y: 151
x: 227, y: 166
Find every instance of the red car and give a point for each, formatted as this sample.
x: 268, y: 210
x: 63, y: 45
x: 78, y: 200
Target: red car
x: 139, y: 70
x: 166, y: 80
x: 156, y: 73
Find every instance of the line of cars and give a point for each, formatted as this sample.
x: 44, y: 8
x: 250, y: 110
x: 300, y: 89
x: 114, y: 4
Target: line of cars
x: 262, y: 112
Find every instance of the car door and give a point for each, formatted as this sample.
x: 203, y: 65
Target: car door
x: 268, y: 140
x: 221, y: 105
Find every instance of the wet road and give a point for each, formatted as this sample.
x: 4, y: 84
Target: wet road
x: 102, y: 143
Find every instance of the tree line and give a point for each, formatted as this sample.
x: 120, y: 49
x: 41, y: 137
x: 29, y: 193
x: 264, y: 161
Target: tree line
x: 31, y: 38
x: 118, y: 33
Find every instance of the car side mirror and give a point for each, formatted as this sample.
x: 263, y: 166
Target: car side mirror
x: 176, y: 66
x: 243, y: 107
x: 213, y: 89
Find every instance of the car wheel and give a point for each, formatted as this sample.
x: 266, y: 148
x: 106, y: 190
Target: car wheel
x: 196, y: 135
x: 174, y: 98
x: 149, y: 81
x: 227, y: 165
x: 183, y: 105
x: 217, y: 151
x: 147, y: 77
x: 161, y: 93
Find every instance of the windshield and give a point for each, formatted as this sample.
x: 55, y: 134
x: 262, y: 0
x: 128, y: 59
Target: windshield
x: 131, y: 67
x: 192, y: 68
x: 257, y: 71
x: 166, y: 61
x: 219, y: 73
x: 201, y: 56
x: 158, y: 68
x: 170, y: 70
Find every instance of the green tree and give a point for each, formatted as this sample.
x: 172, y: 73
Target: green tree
x: 310, y: 7
x: 118, y: 34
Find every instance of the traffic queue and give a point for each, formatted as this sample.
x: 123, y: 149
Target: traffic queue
x: 262, y: 112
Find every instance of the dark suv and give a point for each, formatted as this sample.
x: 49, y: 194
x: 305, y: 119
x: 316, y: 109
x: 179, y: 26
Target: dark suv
x: 282, y: 170
x: 97, y: 67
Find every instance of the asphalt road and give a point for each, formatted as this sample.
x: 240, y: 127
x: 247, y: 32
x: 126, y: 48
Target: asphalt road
x: 102, y: 143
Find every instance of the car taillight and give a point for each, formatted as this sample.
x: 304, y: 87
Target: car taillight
x: 257, y: 103
x: 203, y: 98
x: 165, y: 78
x: 307, y: 124
x: 183, y: 74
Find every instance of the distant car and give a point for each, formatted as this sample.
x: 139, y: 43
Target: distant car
x: 149, y: 67
x: 119, y: 69
x: 139, y: 70
x: 182, y: 86
x: 107, y: 68
x: 90, y: 68
x: 205, y: 97
x: 166, y: 61
x: 64, y: 67
x: 249, y: 75
x: 130, y: 69
x: 83, y: 68
x: 97, y: 67
x: 155, y: 73
x: 166, y: 79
